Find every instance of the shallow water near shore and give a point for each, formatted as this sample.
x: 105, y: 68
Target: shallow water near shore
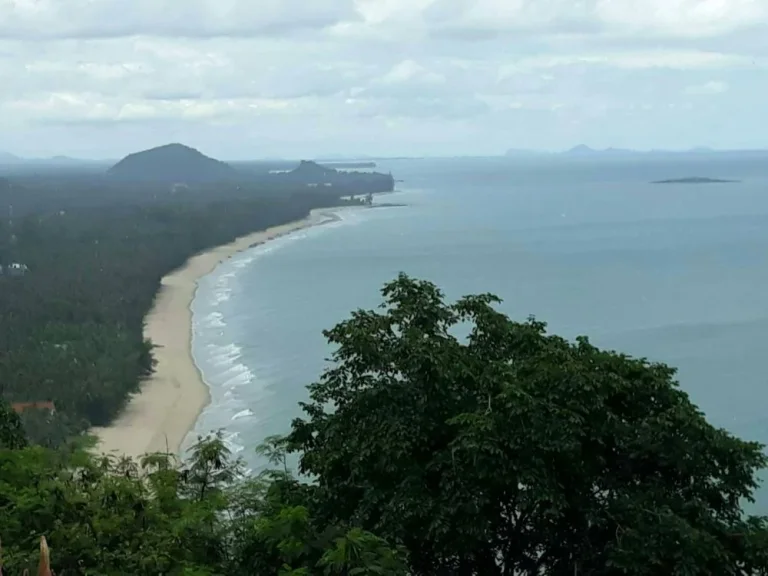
x: 675, y: 273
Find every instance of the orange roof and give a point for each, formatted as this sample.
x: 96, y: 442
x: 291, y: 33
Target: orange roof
x: 19, y: 407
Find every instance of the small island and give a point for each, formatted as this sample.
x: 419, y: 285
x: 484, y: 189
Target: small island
x: 694, y: 180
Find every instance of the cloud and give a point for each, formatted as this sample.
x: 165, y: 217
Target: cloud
x: 42, y: 19
x: 388, y: 74
x: 711, y: 87
x: 419, y: 107
x: 67, y: 107
x: 481, y: 19
x: 477, y: 19
x: 410, y: 72
x: 404, y: 80
x: 685, y: 18
x: 673, y: 60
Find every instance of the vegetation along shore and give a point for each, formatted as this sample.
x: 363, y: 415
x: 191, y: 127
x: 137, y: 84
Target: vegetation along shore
x: 158, y: 418
x: 92, y: 249
x: 510, y: 452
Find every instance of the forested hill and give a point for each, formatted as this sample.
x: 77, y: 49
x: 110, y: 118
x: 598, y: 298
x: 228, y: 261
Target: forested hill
x: 172, y: 163
x: 353, y: 182
x: 180, y: 166
x: 94, y: 255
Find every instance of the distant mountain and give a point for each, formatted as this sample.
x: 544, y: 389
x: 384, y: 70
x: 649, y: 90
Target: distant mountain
x: 583, y: 150
x: 313, y: 175
x: 172, y: 164
x: 8, y: 158
x: 63, y: 160
x: 312, y: 171
x: 60, y: 161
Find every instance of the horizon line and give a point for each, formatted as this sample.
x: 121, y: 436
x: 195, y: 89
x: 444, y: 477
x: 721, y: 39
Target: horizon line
x: 9, y: 158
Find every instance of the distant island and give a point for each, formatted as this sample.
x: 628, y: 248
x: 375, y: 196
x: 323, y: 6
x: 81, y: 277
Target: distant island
x: 584, y: 151
x: 694, y: 180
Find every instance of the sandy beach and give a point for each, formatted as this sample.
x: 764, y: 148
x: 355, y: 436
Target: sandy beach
x: 166, y: 408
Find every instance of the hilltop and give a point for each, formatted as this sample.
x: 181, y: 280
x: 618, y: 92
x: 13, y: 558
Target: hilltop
x: 313, y: 170
x: 8, y: 158
x: 172, y: 163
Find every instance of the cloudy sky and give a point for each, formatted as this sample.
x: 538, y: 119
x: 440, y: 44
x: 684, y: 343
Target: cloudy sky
x: 300, y: 78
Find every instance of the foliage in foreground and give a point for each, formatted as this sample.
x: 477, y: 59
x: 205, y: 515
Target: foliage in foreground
x: 516, y: 452
x: 111, y: 516
x: 506, y: 452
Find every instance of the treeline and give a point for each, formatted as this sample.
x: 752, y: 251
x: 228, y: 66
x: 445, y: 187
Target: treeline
x: 507, y: 453
x: 55, y: 192
x: 71, y: 326
x: 158, y: 517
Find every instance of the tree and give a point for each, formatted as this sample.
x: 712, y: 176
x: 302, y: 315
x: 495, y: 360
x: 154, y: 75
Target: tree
x: 11, y: 432
x: 512, y: 451
x: 157, y: 516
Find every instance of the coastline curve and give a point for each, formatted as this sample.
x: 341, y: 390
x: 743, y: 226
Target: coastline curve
x: 164, y: 411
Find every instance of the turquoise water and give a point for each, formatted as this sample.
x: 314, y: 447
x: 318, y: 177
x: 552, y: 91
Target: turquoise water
x: 675, y: 273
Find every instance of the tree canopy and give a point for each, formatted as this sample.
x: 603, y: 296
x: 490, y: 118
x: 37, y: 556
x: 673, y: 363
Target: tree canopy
x: 11, y: 432
x: 71, y: 327
x: 159, y: 517
x: 511, y: 451
x: 444, y: 439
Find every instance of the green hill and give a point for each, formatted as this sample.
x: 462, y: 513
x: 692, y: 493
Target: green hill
x: 172, y: 163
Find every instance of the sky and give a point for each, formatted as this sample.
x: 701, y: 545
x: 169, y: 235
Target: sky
x: 243, y: 79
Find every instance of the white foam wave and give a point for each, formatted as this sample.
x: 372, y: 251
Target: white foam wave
x: 234, y: 386
x: 214, y: 320
x: 229, y: 442
x: 232, y: 371
x: 244, y: 377
x: 242, y: 414
x: 223, y: 355
x: 276, y: 243
x: 241, y: 263
x: 347, y: 216
x: 220, y: 295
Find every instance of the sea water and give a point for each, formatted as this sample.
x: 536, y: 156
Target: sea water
x: 677, y: 273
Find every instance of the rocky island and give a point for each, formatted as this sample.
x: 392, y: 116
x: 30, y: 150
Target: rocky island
x: 694, y: 180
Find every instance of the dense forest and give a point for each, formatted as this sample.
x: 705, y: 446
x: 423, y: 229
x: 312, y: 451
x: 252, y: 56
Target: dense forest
x: 511, y: 452
x: 93, y: 250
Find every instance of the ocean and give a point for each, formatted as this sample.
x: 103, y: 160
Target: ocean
x: 676, y: 273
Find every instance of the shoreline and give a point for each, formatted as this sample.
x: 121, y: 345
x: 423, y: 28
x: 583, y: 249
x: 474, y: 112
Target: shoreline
x: 161, y: 414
